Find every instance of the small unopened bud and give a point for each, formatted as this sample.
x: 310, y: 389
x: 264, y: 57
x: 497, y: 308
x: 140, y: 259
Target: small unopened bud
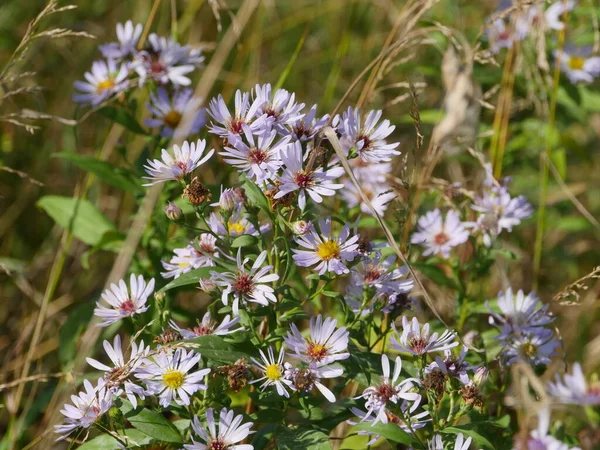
x: 207, y: 285
x: 228, y: 200
x: 173, y: 212
x: 481, y: 375
x: 301, y: 227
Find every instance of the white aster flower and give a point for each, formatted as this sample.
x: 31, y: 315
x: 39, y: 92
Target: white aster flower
x: 247, y: 285
x: 237, y: 225
x: 315, y: 182
x: 574, y: 388
x: 536, y: 347
x: 128, y: 36
x: 200, y: 253
x: 368, y: 138
x: 539, y: 439
x: 578, y: 64
x: 273, y: 372
x: 328, y: 252
x: 123, y: 302
x: 379, y: 276
x: 174, y: 167
x: 460, y: 443
x: 259, y: 159
x: 208, y: 327
x: 499, y: 35
x: 168, y: 376
x: 280, y: 108
x: 105, y: 79
x: 165, y: 61
x: 555, y: 12
x: 306, y: 127
x: 244, y: 115
x: 324, y: 345
x: 452, y: 366
x: 167, y: 111
x: 417, y: 340
x: 222, y: 435
x: 401, y: 417
x: 439, y: 235
x: 88, y: 406
x: 307, y: 379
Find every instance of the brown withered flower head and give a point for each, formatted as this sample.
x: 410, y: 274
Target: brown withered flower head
x: 435, y: 381
x: 196, y: 192
x: 237, y: 374
x: 471, y: 395
x: 166, y: 337
x: 286, y: 200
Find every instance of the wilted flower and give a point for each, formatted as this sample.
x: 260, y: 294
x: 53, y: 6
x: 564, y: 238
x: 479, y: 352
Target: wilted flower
x: 416, y: 340
x: 105, y: 79
x: 222, y: 435
x: 123, y: 302
x: 452, y: 366
x: 574, y: 388
x: 273, y: 372
x: 174, y: 167
x: 167, y: 111
x: 207, y: 285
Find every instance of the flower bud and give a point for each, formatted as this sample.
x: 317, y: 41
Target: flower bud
x: 173, y: 212
x: 481, y: 375
x: 207, y: 285
x: 228, y: 200
x: 301, y: 227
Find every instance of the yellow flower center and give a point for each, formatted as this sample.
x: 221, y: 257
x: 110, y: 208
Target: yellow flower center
x: 576, y: 62
x: 173, y: 379
x: 183, y: 264
x: 105, y: 85
x: 172, y: 119
x: 328, y: 250
x: 530, y: 350
x: 316, y: 352
x: 273, y: 372
x: 237, y: 227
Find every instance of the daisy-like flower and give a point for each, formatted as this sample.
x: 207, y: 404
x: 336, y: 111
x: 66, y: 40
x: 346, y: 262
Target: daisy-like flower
x: 452, y: 366
x: 499, y: 35
x: 123, y: 302
x: 245, y: 114
x: 380, y: 277
x: 119, y: 373
x: 574, y: 389
x: 168, y: 376
x: 539, y: 439
x: 105, y: 79
x: 306, y: 127
x: 307, y: 379
x: 174, y: 167
x: 164, y: 61
x: 200, y: 253
x: 315, y: 182
x: 237, y: 225
x: 520, y: 313
x: 88, y: 406
x: 273, y: 372
x: 324, y: 345
x: 280, y: 108
x: 460, y: 443
x: 389, y: 390
x: 207, y: 327
x: 167, y: 111
x: 439, y: 235
x: 128, y: 36
x: 397, y: 303
x: 401, y: 417
x: 578, y: 64
x: 259, y: 159
x: 416, y: 340
x: 328, y: 252
x: 368, y: 138
x: 247, y: 285
x: 555, y: 12
x: 222, y: 435
x: 536, y: 347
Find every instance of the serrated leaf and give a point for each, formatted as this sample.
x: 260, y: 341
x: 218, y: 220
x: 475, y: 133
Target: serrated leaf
x: 84, y: 220
x: 299, y: 439
x: 245, y: 240
x: 115, y: 176
x: 191, y: 277
x: 133, y: 437
x: 151, y: 423
x: 122, y: 117
x: 391, y: 432
x: 216, y: 349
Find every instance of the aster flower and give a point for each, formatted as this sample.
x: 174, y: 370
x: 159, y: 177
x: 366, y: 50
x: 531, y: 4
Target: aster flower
x: 272, y: 371
x: 208, y: 327
x: 325, y: 343
x: 539, y: 439
x: 574, y: 389
x: 308, y: 378
x: 247, y: 285
x: 460, y: 443
x: 380, y: 196
x: 578, y: 64
x: 380, y: 277
x: 315, y: 182
x: 120, y: 371
x: 416, y: 340
x: 165, y: 61
x: 439, y: 235
x: 168, y: 376
x: 174, y: 167
x: 105, y: 79
x: 167, y: 111
x: 244, y: 115
x: 368, y: 138
x: 499, y: 35
x: 280, y: 108
x: 259, y: 159
x: 195, y: 255
x: 237, y: 225
x: 307, y: 126
x: 536, y: 347
x: 401, y: 417
x: 123, y: 302
x: 222, y: 435
x: 88, y: 406
x: 555, y: 12
x: 328, y: 252
x: 389, y: 390
x: 452, y: 366
x: 128, y: 36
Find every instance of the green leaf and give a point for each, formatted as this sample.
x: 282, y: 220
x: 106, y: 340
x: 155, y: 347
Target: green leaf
x: 245, y: 240
x: 115, y: 176
x: 467, y: 430
x: 256, y: 196
x: 301, y: 439
x: 133, y: 437
x: 192, y: 277
x: 559, y: 159
x: 151, y: 423
x: 216, y: 349
x: 435, y: 274
x: 84, y: 220
x: 391, y: 432
x: 122, y: 117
